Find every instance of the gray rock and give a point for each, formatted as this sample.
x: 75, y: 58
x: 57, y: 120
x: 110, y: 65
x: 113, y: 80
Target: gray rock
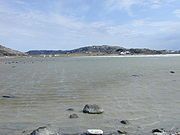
x: 92, y: 109
x: 72, y: 116
x: 43, y: 131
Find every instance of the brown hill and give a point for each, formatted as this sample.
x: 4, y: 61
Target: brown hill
x: 4, y: 51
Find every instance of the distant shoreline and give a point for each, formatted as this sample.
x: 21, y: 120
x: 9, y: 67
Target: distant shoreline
x: 100, y: 51
x: 141, y: 55
x: 98, y: 56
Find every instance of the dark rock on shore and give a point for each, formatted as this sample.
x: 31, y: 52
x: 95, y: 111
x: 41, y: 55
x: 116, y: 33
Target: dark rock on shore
x: 126, y: 122
x: 73, y: 116
x: 92, y: 109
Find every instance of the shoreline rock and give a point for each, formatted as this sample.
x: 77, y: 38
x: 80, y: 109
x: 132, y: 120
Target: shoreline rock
x: 48, y: 131
x: 92, y: 109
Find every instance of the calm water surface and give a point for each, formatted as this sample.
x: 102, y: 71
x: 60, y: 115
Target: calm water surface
x: 141, y: 90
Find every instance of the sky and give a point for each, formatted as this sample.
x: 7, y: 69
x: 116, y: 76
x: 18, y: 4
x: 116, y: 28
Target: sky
x: 68, y: 24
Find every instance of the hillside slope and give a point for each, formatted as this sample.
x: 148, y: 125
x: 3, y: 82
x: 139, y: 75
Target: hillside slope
x: 102, y: 50
x: 4, y: 51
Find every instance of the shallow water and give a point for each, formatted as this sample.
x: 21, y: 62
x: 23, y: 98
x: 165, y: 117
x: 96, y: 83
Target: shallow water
x: 141, y: 90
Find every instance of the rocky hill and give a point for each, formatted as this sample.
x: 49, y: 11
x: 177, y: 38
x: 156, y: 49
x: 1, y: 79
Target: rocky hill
x: 101, y: 50
x: 4, y: 51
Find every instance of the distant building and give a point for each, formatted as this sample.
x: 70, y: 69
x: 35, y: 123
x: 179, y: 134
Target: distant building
x: 124, y: 53
x: 56, y: 55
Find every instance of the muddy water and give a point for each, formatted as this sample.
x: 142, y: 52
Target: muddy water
x: 141, y: 90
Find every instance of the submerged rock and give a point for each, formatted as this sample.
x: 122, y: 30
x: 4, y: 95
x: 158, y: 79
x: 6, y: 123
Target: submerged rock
x: 43, y: 131
x: 135, y: 75
x: 122, y: 132
x: 124, y: 122
x: 70, y: 109
x: 92, y: 109
x: 8, y: 96
x: 72, y: 116
x: 172, y: 72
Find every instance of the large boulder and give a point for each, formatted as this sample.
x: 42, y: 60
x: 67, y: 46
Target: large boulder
x: 92, y: 109
x: 43, y: 131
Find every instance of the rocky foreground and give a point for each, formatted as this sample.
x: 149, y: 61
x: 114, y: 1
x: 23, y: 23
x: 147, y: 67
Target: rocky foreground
x: 48, y: 131
x: 95, y: 109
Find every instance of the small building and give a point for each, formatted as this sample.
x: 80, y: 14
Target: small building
x: 124, y: 53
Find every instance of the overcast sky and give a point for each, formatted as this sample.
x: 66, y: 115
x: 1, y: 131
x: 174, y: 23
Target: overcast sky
x: 68, y: 24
